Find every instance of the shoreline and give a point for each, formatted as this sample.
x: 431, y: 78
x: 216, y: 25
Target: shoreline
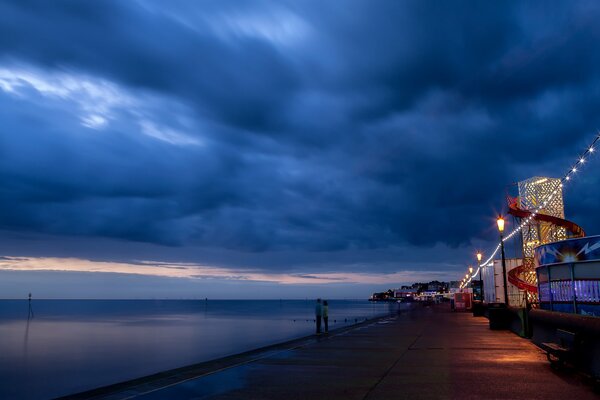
x: 160, y: 380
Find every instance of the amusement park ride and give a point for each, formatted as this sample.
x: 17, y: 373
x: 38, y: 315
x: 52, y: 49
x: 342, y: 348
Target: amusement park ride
x: 541, y: 225
x: 546, y: 224
x: 550, y: 291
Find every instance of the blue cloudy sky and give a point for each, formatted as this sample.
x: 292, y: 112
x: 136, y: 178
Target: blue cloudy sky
x: 268, y: 149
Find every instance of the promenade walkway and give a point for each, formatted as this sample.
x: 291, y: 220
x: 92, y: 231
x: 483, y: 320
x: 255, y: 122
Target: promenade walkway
x: 429, y: 353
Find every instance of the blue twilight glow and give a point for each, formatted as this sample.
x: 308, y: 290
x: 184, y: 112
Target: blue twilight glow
x: 285, y: 148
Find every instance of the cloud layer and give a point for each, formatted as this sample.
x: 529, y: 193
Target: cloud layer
x: 290, y: 126
x: 203, y: 272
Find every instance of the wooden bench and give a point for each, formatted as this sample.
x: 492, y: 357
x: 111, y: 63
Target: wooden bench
x: 559, y: 353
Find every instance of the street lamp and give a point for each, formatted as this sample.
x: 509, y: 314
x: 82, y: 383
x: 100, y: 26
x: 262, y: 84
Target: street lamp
x: 479, y: 257
x: 470, y: 269
x: 501, y: 229
x: 500, y: 222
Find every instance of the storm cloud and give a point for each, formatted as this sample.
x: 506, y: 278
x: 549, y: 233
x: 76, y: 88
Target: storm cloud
x: 307, y: 127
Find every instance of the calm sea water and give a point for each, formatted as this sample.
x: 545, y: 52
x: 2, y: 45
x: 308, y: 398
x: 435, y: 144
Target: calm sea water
x: 75, y: 345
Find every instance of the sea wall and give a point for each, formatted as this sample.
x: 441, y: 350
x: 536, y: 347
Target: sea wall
x: 587, y: 351
x: 518, y: 321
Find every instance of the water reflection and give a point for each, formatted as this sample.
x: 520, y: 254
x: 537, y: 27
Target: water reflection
x: 73, y: 346
x: 204, y: 387
x: 26, y: 339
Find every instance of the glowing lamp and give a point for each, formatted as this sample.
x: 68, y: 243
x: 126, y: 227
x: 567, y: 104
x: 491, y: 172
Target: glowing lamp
x: 479, y: 257
x: 470, y: 270
x: 500, y: 222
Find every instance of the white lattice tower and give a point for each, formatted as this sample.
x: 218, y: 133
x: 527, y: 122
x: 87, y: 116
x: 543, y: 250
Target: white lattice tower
x: 532, y: 193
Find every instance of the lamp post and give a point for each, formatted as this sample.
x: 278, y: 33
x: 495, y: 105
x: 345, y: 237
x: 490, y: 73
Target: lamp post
x: 479, y: 257
x: 501, y: 229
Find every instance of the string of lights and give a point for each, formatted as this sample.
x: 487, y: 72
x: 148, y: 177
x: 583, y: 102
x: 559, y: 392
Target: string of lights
x: 560, y: 184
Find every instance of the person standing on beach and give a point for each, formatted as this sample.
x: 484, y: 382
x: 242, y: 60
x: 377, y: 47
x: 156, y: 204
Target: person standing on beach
x: 318, y: 314
x: 326, y: 315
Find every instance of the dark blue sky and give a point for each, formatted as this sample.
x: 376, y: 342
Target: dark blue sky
x: 263, y: 146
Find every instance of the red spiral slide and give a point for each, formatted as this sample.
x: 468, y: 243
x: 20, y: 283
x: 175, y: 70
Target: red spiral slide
x: 523, y: 276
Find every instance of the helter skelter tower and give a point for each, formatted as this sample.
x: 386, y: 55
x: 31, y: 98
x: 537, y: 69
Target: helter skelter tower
x: 532, y: 192
x: 542, y: 199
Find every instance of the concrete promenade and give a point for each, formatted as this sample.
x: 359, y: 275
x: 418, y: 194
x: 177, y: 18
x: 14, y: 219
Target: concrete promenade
x: 429, y: 353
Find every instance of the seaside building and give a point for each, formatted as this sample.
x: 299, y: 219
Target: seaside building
x: 413, y: 291
x: 454, y: 285
x: 568, y: 274
x: 382, y: 296
x: 405, y: 293
x: 493, y: 283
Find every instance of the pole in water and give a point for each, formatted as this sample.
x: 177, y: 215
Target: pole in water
x: 30, y: 315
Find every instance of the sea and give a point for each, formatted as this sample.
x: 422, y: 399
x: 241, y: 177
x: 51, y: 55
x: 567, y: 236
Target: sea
x: 61, y: 347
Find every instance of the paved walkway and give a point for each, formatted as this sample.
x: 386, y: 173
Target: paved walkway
x: 430, y: 353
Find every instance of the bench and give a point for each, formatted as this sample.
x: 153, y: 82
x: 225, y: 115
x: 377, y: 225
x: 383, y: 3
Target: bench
x: 559, y: 353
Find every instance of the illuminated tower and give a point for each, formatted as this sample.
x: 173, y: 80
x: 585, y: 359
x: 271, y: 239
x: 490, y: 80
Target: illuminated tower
x: 540, y: 208
x: 533, y: 193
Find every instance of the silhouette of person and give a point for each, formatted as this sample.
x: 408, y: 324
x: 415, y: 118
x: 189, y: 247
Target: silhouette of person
x: 318, y: 315
x: 326, y: 315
